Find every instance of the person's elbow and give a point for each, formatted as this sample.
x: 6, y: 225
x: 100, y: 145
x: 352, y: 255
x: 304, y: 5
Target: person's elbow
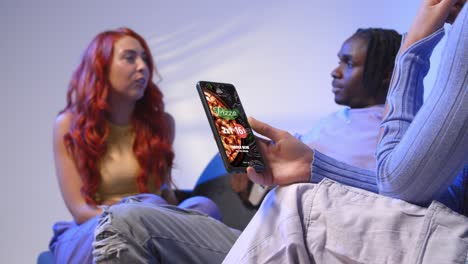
x: 405, y: 192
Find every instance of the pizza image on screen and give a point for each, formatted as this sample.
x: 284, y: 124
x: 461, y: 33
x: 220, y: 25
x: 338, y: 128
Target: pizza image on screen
x: 230, y: 141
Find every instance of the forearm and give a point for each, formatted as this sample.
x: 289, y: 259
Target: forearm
x: 326, y: 167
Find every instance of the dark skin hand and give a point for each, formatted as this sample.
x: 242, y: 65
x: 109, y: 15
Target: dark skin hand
x: 288, y: 160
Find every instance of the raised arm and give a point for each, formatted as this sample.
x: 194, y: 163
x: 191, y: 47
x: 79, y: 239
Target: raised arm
x: 67, y: 174
x: 430, y: 17
x: 418, y: 162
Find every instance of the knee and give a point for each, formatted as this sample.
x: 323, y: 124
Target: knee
x: 202, y: 204
x: 108, y: 243
x: 116, y: 227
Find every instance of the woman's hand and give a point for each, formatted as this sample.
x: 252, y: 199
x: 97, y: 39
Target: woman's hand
x: 288, y: 159
x: 431, y: 16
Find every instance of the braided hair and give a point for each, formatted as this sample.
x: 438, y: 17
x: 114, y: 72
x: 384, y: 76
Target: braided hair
x: 382, y: 48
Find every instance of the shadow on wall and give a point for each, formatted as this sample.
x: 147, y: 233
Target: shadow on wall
x: 204, y: 44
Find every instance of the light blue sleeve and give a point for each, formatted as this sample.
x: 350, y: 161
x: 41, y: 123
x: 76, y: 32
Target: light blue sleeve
x: 423, y: 148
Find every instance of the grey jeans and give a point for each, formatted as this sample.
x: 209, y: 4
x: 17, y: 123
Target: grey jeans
x: 136, y: 232
x: 116, y: 232
x: 334, y: 223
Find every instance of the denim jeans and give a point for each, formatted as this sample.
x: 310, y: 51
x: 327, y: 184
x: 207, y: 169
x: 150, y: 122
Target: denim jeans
x: 72, y: 243
x: 136, y: 232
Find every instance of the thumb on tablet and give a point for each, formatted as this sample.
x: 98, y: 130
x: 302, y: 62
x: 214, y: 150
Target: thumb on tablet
x: 266, y: 130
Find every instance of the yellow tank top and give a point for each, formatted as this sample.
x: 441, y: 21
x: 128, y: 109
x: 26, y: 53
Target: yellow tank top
x: 119, y: 167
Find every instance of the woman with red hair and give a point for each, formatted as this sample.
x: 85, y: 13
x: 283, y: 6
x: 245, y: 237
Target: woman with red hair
x: 113, y: 142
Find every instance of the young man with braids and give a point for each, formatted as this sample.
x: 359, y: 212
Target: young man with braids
x: 360, y: 83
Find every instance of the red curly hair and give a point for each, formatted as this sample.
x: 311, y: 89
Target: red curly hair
x: 87, y: 102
